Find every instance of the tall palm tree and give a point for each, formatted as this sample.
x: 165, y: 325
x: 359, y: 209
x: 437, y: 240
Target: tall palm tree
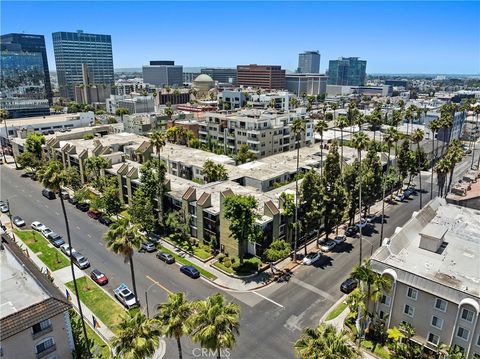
x: 446, y: 123
x: 334, y: 107
x: 158, y: 141
x: 417, y: 137
x: 324, y: 342
x: 54, y: 177
x: 477, y: 112
x: 298, y: 128
x: 360, y: 142
x: 454, y: 155
x: 123, y: 238
x: 389, y: 139
x: 441, y: 168
x: 216, y: 323
x: 174, y: 318
x: 434, y: 126
x: 320, y: 127
x: 341, y: 123
x: 136, y: 337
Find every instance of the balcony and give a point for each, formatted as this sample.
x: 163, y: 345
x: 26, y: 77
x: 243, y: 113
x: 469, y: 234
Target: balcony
x: 47, y: 351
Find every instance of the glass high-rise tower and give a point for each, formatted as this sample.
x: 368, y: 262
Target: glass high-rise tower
x: 72, y: 49
x: 347, y: 71
x: 309, y: 62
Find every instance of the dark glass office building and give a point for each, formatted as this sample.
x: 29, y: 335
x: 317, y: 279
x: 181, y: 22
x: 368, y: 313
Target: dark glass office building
x: 72, y: 49
x: 347, y: 71
x: 222, y: 75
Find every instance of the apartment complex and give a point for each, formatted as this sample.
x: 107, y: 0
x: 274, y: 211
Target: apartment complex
x: 433, y: 262
x: 347, y: 71
x: 309, y: 62
x: 221, y: 75
x: 72, y: 49
x: 163, y: 73
x: 265, y: 132
x: 33, y: 313
x: 264, y: 76
x: 311, y: 84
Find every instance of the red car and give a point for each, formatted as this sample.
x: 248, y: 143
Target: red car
x: 94, y: 214
x: 98, y: 277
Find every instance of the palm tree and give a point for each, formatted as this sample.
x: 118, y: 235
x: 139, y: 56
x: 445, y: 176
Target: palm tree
x: 324, y: 342
x: 434, y: 127
x: 417, y: 137
x: 298, y: 128
x: 446, y: 123
x: 360, y: 142
x: 477, y: 111
x: 389, y: 138
x: 123, y: 238
x: 54, y: 176
x: 216, y: 323
x: 121, y: 111
x: 136, y: 337
x: 320, y: 127
x: 174, y: 318
x: 341, y: 123
x: 158, y: 140
x: 334, y: 107
x: 441, y: 168
x: 94, y: 166
x: 454, y: 155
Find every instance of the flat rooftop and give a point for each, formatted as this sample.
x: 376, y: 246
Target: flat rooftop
x: 455, y: 267
x: 30, y: 121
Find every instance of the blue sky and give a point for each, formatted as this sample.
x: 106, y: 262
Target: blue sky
x: 394, y: 37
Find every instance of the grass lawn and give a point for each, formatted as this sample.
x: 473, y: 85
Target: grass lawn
x: 52, y: 257
x: 336, y: 312
x: 99, y: 302
x: 379, y: 350
x: 103, y: 349
x: 187, y: 262
x: 200, y: 250
x: 247, y: 268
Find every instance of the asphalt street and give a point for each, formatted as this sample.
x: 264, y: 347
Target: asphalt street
x: 271, y: 318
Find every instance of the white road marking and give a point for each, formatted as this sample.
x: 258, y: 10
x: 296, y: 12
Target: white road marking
x: 100, y: 243
x: 46, y: 206
x: 270, y: 300
x: 89, y: 236
x: 78, y: 227
x: 313, y: 289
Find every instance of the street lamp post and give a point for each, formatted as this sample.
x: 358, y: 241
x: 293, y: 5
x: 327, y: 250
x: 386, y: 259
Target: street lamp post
x: 146, y: 298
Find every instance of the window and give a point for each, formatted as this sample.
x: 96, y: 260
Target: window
x: 433, y: 339
x: 381, y: 314
x: 45, y: 344
x: 41, y: 326
x: 409, y: 310
x: 478, y: 341
x: 437, y: 322
x: 467, y: 315
x: 412, y: 293
x: 441, y: 305
x: 385, y: 299
x: 463, y: 333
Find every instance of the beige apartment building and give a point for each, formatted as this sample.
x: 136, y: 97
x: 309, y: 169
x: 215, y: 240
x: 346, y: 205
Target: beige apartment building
x: 434, y: 262
x: 34, y: 317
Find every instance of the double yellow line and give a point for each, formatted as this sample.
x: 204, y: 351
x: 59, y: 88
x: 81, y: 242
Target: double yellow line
x: 158, y: 284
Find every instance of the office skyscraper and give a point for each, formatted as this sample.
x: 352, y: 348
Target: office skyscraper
x: 309, y: 62
x: 347, y: 71
x: 222, y: 75
x: 72, y: 49
x: 265, y: 76
x: 163, y: 73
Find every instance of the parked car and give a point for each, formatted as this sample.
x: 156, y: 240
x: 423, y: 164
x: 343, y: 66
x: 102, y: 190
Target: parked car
x: 18, y: 221
x: 55, y: 239
x: 125, y: 296
x: 311, y: 257
x: 348, y: 285
x: 191, y: 271
x: 65, y: 248
x: 105, y: 220
x: 153, y: 237
x: 72, y: 200
x: 84, y: 207
x: 400, y: 197
x: 37, y: 226
x: 362, y: 224
x: 48, y: 193
x: 148, y: 247
x: 80, y: 260
x: 94, y: 214
x: 351, y: 231
x: 3, y: 207
x: 166, y: 257
x: 98, y: 277
x: 371, y: 218
x: 65, y: 195
x: 327, y: 246
x: 340, y: 239
x: 46, y: 231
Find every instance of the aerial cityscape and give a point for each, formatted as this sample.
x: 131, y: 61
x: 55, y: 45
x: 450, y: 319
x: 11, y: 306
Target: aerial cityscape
x: 240, y: 180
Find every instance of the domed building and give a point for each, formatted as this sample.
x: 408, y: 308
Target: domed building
x: 203, y: 83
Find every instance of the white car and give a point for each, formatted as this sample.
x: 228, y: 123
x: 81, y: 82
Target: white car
x: 311, y: 257
x: 340, y: 239
x: 3, y: 207
x: 328, y: 246
x: 46, y: 231
x: 65, y: 248
x: 36, y: 225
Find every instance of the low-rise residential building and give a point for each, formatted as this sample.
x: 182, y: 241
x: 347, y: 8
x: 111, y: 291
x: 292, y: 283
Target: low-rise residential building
x: 265, y: 100
x: 433, y: 263
x: 466, y: 193
x: 34, y: 318
x: 235, y: 99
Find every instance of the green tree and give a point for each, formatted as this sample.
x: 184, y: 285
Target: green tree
x: 157, y: 139
x: 341, y: 123
x: 288, y: 211
x: 351, y: 181
x: 216, y: 323
x: 153, y: 173
x: 178, y: 225
x: 320, y: 128
x: 174, y: 318
x: 88, y: 136
x: 34, y: 144
x: 434, y: 126
x: 110, y: 200
x: 240, y: 211
x: 417, y: 138
x: 298, y: 129
x: 442, y: 168
x: 121, y: 111
x: 277, y: 250
x: 28, y: 160
x: 136, y: 336
x: 73, y: 107
x: 404, y: 160
x: 244, y: 154
x: 213, y: 172
x: 123, y: 238
x: 310, y: 204
x: 168, y: 111
x: 141, y: 211
x: 54, y: 177
x: 371, y: 178
x: 95, y: 167
x: 454, y: 155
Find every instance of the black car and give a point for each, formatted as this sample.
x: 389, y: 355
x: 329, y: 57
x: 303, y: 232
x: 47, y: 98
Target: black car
x: 72, y: 200
x: 48, y: 193
x: 84, y: 207
x: 348, y: 285
x: 191, y: 271
x: 105, y: 220
x: 351, y: 231
x: 166, y: 257
x: 153, y: 237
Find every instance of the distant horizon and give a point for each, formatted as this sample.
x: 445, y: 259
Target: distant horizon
x: 393, y: 37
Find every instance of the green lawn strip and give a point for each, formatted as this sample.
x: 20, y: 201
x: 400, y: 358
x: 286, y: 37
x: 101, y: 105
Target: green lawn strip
x: 99, y: 302
x: 103, y: 349
x: 222, y: 267
x: 379, y: 350
x: 188, y: 263
x: 52, y: 258
x: 336, y: 312
x: 247, y: 269
x: 200, y: 250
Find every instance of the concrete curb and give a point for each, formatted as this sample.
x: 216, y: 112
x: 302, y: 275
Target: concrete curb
x: 342, y: 299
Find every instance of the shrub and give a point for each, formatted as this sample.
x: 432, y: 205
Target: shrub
x: 236, y: 266
x: 221, y: 257
x: 227, y: 263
